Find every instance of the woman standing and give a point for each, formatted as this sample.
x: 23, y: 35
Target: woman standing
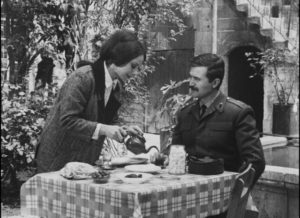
x: 82, y: 115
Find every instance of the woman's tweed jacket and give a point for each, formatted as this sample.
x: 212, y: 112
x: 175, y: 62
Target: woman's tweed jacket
x: 67, y: 135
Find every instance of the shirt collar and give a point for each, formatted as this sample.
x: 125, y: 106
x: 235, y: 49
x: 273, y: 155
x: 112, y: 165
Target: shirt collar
x: 109, y: 82
x: 108, y: 79
x: 209, y: 102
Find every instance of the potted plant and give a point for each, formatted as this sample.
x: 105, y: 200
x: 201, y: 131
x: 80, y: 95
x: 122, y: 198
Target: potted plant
x: 280, y: 68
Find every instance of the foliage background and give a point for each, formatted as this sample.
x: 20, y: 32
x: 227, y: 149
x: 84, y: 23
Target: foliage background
x: 280, y: 67
x: 67, y: 31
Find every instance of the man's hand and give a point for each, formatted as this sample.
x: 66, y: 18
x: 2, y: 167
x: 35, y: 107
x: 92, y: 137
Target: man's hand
x: 114, y: 132
x: 159, y: 159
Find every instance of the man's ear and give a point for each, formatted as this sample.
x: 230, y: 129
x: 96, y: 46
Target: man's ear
x: 216, y: 82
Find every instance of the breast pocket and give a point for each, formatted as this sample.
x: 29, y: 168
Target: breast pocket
x: 220, y: 126
x: 220, y: 131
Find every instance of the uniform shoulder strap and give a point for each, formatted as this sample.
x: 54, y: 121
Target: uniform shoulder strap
x: 238, y: 103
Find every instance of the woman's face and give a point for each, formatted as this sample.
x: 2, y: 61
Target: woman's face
x: 124, y: 72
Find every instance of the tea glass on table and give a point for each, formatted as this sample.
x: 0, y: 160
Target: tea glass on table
x: 107, y: 160
x: 177, y: 160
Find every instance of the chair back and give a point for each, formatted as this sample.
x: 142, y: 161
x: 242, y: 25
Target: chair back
x: 240, y: 193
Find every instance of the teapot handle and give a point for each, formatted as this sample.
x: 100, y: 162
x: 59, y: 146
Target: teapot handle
x: 152, y: 146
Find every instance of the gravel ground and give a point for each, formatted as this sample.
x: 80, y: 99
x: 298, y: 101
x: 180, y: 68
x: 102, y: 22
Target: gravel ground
x: 10, y: 211
x: 10, y: 203
x: 7, y: 211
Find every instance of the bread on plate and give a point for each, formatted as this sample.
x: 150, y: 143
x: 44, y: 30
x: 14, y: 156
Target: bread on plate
x: 77, y: 170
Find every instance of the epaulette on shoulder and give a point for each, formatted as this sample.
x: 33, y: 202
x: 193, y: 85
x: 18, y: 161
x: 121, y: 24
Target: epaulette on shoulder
x: 189, y: 102
x: 236, y: 102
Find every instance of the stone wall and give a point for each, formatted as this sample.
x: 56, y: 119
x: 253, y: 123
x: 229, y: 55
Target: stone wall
x: 276, y: 193
x: 4, y: 55
x: 235, y: 30
x: 284, y: 156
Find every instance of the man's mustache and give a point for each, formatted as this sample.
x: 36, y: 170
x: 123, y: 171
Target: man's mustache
x: 193, y: 88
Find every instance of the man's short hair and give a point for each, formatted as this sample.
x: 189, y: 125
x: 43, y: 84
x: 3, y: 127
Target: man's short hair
x: 214, y: 63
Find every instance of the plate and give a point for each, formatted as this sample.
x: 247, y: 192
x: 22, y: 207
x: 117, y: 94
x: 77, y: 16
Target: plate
x: 144, y: 177
x: 143, y: 168
x: 77, y: 177
x: 128, y: 160
x: 77, y: 170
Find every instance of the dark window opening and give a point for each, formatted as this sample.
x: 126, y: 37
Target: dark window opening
x: 242, y: 86
x: 275, y: 11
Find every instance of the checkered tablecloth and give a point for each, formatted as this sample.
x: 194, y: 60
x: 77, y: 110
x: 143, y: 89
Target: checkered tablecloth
x: 164, y: 195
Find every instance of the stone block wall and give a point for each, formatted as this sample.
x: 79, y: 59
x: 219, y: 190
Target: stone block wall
x: 4, y: 55
x: 234, y: 29
x: 203, y: 25
x: 276, y: 193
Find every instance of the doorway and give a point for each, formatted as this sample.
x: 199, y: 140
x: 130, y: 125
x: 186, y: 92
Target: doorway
x: 241, y: 86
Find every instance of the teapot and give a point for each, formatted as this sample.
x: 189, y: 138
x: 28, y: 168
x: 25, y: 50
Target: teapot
x: 136, y: 144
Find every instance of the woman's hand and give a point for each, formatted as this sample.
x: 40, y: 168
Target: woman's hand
x: 133, y: 130
x: 114, y: 132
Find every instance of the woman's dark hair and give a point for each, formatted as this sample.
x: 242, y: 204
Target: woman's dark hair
x: 119, y: 49
x: 214, y: 63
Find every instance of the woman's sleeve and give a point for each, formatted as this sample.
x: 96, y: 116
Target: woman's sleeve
x: 74, y: 97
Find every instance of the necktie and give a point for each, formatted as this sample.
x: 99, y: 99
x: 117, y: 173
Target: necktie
x: 202, y: 110
x: 116, y: 88
x: 116, y: 92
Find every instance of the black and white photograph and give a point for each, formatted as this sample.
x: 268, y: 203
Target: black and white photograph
x: 150, y: 108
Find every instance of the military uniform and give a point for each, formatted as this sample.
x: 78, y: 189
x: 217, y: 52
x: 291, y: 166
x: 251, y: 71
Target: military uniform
x: 226, y: 130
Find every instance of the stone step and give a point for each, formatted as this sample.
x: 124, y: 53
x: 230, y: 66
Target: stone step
x: 242, y: 7
x: 267, y: 32
x: 268, y: 141
x: 260, y: 13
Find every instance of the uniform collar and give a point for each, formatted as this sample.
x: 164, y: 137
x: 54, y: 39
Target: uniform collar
x: 217, y: 104
x: 210, y: 101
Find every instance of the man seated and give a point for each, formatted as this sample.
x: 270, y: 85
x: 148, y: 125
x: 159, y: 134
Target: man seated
x: 215, y: 125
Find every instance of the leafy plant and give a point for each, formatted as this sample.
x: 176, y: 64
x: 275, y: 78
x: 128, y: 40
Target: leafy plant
x: 22, y: 120
x: 172, y: 102
x: 32, y: 32
x: 280, y: 66
x: 54, y: 24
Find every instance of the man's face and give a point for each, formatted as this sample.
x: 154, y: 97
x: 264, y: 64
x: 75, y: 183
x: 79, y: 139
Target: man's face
x: 200, y: 87
x: 124, y: 72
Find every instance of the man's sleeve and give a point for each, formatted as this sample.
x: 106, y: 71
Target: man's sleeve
x: 248, y: 141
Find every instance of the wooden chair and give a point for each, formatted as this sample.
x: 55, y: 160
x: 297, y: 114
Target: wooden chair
x: 240, y: 193
x: 251, y: 209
